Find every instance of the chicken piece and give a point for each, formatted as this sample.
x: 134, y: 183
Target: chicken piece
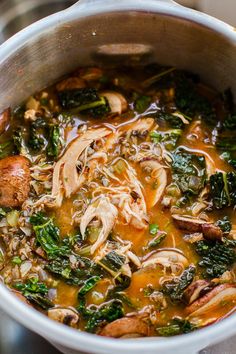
x: 65, y: 175
x: 116, y: 100
x: 103, y: 210
x: 70, y: 83
x: 14, y: 181
x: 126, y: 327
x: 159, y: 174
x: 4, y: 119
x: 66, y: 316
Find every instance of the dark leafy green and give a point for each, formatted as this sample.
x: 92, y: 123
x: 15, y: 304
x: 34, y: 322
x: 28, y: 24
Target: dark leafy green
x: 106, y: 313
x: 189, y: 101
x: 169, y: 138
x: 189, y: 171
x: 6, y: 149
x: 61, y: 268
x: 216, y: 257
x: 48, y: 236
x: 88, y: 285
x: 223, y: 189
x: 54, y: 141
x: 113, y: 261
x: 176, y: 326
x: 224, y: 224
x: 175, y: 288
x: 86, y: 100
x: 142, y: 103
x: 35, y: 292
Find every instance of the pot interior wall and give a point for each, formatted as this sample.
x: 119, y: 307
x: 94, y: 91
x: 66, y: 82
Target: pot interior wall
x: 165, y: 39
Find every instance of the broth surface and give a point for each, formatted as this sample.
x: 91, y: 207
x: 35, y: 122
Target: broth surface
x: 120, y: 216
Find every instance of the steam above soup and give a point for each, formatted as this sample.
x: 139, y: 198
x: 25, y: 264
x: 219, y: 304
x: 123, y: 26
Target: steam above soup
x: 117, y: 198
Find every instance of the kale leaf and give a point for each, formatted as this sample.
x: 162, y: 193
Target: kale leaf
x: 88, y: 285
x: 189, y: 171
x: 175, y: 288
x: 112, y: 261
x: 176, y: 326
x: 86, y: 100
x: 6, y: 149
x: 104, y: 314
x: 189, y: 101
x: 54, y: 141
x: 216, y: 257
x: 142, y: 103
x: 62, y: 268
x: 35, y: 292
x: 48, y: 236
x: 168, y: 138
x: 223, y: 189
x: 224, y: 224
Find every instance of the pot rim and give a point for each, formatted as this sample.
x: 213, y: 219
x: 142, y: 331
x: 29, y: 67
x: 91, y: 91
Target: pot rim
x: 40, y: 323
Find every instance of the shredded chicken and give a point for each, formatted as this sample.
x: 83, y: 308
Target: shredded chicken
x: 106, y: 212
x: 65, y: 175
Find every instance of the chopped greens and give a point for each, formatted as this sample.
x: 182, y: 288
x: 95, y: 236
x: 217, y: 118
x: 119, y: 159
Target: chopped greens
x: 106, y: 313
x: 176, y: 326
x: 54, y: 141
x: 169, y: 138
x: 47, y: 235
x: 189, y: 171
x: 88, y: 285
x: 223, y: 189
x: 224, y: 224
x: 86, y: 100
x: 216, y: 257
x: 35, y: 292
x: 175, y: 288
x: 153, y: 229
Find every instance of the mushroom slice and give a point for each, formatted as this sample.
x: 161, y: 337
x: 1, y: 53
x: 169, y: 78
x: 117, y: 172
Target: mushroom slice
x: 126, y: 327
x: 103, y: 210
x: 197, y: 289
x: 208, y: 229
x: 67, y: 316
x: 14, y: 181
x: 168, y: 258
x: 4, y: 119
x: 116, y: 100
x: 71, y: 83
x: 189, y: 223
x: 212, y: 232
x: 158, y: 173
x: 211, y: 302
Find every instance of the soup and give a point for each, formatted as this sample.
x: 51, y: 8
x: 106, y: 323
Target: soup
x: 117, y: 195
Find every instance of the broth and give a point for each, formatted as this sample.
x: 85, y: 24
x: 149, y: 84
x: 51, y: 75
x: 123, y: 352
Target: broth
x: 117, y: 196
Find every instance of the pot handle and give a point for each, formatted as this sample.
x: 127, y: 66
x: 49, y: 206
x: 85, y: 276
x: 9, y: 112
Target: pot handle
x: 83, y: 2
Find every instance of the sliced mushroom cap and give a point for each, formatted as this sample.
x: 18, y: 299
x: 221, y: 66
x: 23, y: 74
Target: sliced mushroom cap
x: 208, y: 229
x: 67, y: 316
x: 4, y: 119
x: 167, y: 258
x: 90, y: 74
x: 71, y: 83
x: 159, y: 174
x: 14, y: 181
x: 126, y: 327
x: 116, y: 100
x: 196, y: 289
x: 212, y: 300
x: 212, y: 232
x: 188, y: 223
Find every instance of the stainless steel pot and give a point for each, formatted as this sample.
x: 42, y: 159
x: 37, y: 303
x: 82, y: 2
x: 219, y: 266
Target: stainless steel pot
x: 93, y: 31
